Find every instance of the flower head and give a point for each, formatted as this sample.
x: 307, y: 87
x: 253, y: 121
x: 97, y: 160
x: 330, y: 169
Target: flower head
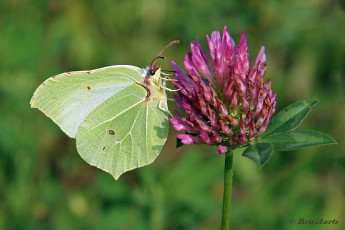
x: 225, y: 103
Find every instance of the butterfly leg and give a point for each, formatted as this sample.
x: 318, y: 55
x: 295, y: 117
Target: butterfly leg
x: 167, y: 79
x: 163, y: 105
x: 171, y: 90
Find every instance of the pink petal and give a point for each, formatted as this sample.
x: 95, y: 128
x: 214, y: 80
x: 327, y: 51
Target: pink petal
x: 222, y: 149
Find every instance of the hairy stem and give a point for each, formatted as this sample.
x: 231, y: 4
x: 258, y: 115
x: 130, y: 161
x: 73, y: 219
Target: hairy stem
x: 227, y: 191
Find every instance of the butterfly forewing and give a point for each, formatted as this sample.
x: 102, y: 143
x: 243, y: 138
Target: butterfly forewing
x: 69, y: 97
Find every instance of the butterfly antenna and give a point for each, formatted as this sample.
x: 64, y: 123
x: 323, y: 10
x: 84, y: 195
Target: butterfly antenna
x: 170, y: 44
x: 154, y: 61
x: 160, y: 53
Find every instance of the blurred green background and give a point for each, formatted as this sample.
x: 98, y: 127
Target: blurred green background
x: 44, y: 184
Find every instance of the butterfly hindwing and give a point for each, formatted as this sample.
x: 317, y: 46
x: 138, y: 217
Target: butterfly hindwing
x: 123, y: 133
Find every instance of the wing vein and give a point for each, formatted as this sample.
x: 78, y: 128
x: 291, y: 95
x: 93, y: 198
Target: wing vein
x: 123, y: 111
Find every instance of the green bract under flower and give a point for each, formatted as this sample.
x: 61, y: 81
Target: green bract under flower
x: 225, y: 103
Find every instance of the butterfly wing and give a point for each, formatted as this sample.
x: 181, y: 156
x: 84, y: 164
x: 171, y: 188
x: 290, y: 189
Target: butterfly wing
x: 123, y: 133
x: 116, y: 128
x: 69, y: 98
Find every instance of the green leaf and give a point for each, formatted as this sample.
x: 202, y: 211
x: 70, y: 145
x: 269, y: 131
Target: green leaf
x: 297, y: 139
x: 260, y: 153
x: 290, y: 117
x: 179, y: 143
x: 120, y: 122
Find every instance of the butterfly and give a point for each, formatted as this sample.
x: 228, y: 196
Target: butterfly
x: 117, y: 114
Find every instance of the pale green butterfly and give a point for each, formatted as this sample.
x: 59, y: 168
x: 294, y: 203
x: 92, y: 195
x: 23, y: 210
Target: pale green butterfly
x: 118, y: 114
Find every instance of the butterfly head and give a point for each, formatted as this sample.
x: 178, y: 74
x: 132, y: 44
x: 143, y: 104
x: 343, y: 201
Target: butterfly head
x: 153, y: 71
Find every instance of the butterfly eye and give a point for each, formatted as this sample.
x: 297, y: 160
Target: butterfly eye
x: 152, y: 72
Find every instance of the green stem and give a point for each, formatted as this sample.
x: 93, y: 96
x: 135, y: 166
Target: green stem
x: 227, y: 191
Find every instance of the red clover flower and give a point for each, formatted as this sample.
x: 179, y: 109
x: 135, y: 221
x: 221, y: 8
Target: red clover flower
x: 225, y: 103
